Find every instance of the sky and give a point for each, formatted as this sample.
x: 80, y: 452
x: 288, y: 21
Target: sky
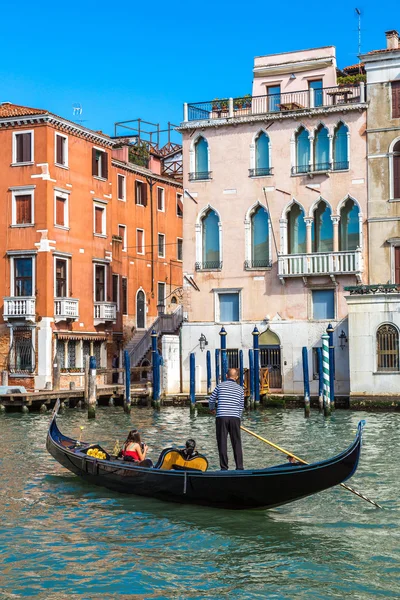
x: 124, y: 60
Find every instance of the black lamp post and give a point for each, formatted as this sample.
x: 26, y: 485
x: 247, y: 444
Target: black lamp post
x: 203, y: 342
x: 343, y: 339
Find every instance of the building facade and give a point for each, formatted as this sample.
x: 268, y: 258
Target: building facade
x: 275, y: 216
x: 91, y: 244
x: 374, y: 317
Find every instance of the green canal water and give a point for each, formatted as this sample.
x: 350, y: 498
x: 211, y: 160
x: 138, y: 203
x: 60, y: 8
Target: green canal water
x: 61, y: 538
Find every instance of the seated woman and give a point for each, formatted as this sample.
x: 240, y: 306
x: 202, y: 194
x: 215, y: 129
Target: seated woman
x: 134, y: 450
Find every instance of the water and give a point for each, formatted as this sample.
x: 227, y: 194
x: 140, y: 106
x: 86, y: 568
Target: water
x: 62, y: 538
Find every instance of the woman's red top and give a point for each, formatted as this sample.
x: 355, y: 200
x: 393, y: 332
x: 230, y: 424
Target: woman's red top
x: 131, y: 453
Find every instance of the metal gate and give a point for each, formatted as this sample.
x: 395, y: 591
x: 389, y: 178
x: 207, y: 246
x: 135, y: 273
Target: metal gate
x: 270, y: 358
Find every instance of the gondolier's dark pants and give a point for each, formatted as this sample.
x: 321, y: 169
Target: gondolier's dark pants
x: 231, y: 425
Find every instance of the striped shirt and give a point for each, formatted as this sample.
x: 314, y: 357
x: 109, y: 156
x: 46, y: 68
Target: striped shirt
x: 230, y: 398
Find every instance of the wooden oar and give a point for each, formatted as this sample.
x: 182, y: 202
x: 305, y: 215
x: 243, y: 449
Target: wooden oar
x: 303, y: 462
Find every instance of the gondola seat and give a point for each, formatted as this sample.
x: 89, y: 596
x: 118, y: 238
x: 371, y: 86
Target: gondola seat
x: 173, y: 458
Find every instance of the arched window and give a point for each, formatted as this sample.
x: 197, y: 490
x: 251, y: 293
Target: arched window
x: 321, y: 149
x: 387, y: 348
x: 322, y: 233
x: 260, y: 238
x: 396, y: 170
x: 262, y: 162
x: 200, y: 160
x: 349, y: 230
x: 340, y: 148
x: 140, y: 310
x: 296, y: 230
x: 210, y: 241
x: 302, y: 151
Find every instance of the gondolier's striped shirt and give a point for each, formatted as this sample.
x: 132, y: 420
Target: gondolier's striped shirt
x: 230, y: 398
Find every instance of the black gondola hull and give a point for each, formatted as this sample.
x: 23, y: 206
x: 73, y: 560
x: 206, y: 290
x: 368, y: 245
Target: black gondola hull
x: 261, y: 488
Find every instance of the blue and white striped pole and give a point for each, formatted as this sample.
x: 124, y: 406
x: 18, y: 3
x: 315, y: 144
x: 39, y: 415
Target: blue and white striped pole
x: 325, y: 371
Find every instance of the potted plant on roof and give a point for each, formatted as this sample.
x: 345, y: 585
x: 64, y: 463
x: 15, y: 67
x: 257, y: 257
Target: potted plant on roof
x: 247, y: 101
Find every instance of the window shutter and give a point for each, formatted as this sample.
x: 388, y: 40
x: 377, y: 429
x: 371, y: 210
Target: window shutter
x: 105, y: 165
x: 109, y: 283
x: 120, y: 187
x: 396, y: 176
x: 144, y: 190
x: 395, y: 99
x: 59, y: 150
x: 94, y: 163
x: 23, y: 209
x: 179, y: 205
x: 137, y: 192
x: 98, y: 228
x: 26, y: 147
x: 139, y: 241
x: 60, y: 206
x: 397, y: 265
x: 19, y: 148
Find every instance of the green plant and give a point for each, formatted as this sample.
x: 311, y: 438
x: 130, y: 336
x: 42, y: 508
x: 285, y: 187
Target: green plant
x: 351, y: 79
x: 139, y: 154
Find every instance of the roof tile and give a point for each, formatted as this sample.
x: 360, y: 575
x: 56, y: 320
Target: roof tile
x: 7, y: 109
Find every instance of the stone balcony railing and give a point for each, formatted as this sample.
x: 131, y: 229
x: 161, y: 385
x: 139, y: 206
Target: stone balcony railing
x: 66, y: 309
x: 19, y: 307
x: 284, y: 103
x: 320, y: 263
x: 104, y: 312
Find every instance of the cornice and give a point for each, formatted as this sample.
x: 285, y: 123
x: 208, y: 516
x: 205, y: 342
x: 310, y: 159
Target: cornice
x: 145, y: 172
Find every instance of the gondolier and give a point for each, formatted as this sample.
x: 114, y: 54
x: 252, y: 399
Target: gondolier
x: 230, y: 397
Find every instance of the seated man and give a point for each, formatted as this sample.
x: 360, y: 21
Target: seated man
x: 190, y: 449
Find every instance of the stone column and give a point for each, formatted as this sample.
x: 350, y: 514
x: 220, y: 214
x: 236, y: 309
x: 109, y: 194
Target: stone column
x: 309, y: 221
x: 335, y: 221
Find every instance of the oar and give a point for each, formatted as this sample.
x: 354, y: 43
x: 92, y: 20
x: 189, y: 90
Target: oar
x: 300, y: 460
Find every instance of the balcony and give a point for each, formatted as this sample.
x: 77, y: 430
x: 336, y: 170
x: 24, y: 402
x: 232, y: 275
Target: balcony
x: 284, y: 104
x: 320, y: 263
x: 20, y: 307
x: 66, y: 309
x: 266, y: 172
x: 200, y: 176
x: 105, y: 312
x: 257, y: 264
x: 209, y: 265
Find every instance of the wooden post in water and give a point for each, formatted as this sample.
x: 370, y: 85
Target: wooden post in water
x: 56, y: 372
x: 329, y: 331
x: 251, y: 378
x: 256, y: 367
x: 241, y: 370
x: 192, y: 380
x: 127, y: 394
x: 156, y: 369
x: 4, y: 378
x: 208, y: 360
x: 320, y: 380
x: 86, y: 381
x: 306, y: 382
x: 92, y: 388
x: 224, y: 360
x: 217, y: 366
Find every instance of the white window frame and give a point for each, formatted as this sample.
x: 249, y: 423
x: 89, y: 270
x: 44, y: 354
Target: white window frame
x: 221, y: 291
x: 124, y: 237
x: 104, y: 153
x: 65, y: 195
x: 160, y: 235
x: 163, y: 199
x: 176, y: 208
x: 123, y: 187
x: 12, y: 272
x: 141, y: 251
x: 391, y: 170
x: 66, y: 260
x: 177, y: 246
x: 97, y: 204
x: 65, y: 137
x: 335, y: 300
x: 104, y: 264
x: 165, y: 292
x: 139, y: 184
x: 22, y: 191
x: 14, y: 148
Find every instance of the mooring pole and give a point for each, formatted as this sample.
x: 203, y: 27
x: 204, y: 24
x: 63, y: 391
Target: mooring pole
x: 320, y: 380
x: 306, y: 383
x: 86, y: 380
x: 241, y: 370
x: 92, y: 398
x: 127, y: 395
x: 251, y: 378
x: 224, y: 361
x: 325, y: 369
x: 217, y: 353
x: 256, y: 349
x: 192, y: 380
x: 208, y: 360
x: 156, y: 369
x: 329, y: 331
x: 56, y: 372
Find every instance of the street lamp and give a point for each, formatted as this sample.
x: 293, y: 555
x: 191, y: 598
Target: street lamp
x: 343, y: 339
x: 161, y: 308
x: 203, y: 342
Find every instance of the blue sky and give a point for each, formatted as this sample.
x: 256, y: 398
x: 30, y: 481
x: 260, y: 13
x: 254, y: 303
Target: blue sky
x: 123, y: 60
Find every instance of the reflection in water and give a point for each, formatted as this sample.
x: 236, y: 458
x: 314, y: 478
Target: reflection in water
x: 58, y: 533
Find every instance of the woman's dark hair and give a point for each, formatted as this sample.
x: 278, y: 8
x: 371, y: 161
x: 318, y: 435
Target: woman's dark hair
x: 133, y: 436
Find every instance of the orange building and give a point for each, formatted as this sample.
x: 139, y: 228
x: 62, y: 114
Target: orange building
x: 91, y: 243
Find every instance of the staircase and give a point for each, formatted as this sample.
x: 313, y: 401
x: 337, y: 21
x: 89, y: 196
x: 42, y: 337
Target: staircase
x: 140, y: 342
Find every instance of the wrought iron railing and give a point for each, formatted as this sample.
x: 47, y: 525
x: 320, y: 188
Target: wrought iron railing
x: 271, y: 103
x: 166, y: 323
x: 260, y: 172
x: 301, y: 169
x: 341, y: 166
x: 200, y: 176
x: 324, y: 166
x: 261, y: 263
x: 209, y: 265
x: 362, y: 290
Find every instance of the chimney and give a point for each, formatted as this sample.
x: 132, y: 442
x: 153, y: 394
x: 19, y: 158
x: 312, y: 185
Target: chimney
x: 392, y: 39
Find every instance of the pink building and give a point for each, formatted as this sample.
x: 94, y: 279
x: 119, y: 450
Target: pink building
x: 275, y: 215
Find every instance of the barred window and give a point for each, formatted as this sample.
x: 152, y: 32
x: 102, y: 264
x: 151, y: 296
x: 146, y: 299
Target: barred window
x: 233, y: 358
x: 60, y: 350
x: 71, y: 354
x: 387, y: 347
x: 97, y: 353
x: 21, y: 357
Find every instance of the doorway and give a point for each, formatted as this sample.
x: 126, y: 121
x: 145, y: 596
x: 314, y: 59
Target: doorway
x: 270, y: 357
x: 140, y: 310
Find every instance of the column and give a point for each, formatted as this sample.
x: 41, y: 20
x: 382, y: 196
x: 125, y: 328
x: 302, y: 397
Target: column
x: 335, y: 221
x: 309, y: 221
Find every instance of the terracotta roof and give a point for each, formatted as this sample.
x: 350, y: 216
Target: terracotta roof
x: 13, y: 110
x: 351, y: 67
x: 384, y: 50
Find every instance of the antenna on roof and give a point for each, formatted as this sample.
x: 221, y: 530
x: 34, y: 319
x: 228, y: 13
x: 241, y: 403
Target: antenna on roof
x: 358, y: 13
x: 77, y: 111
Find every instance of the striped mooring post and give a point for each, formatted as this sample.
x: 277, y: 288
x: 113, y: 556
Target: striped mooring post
x: 325, y: 370
x: 224, y: 358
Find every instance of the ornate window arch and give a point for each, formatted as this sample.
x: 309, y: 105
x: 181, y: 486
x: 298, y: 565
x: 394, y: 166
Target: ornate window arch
x: 258, y: 238
x: 199, y: 159
x: 301, y: 150
x: 350, y: 224
x: 322, y: 227
x: 292, y: 230
x: 260, y: 155
x: 341, y: 147
x: 321, y: 158
x: 140, y: 308
x: 394, y: 169
x: 208, y: 240
x: 387, y: 348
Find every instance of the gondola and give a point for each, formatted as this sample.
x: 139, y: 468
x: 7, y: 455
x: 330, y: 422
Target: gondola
x: 251, y: 488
